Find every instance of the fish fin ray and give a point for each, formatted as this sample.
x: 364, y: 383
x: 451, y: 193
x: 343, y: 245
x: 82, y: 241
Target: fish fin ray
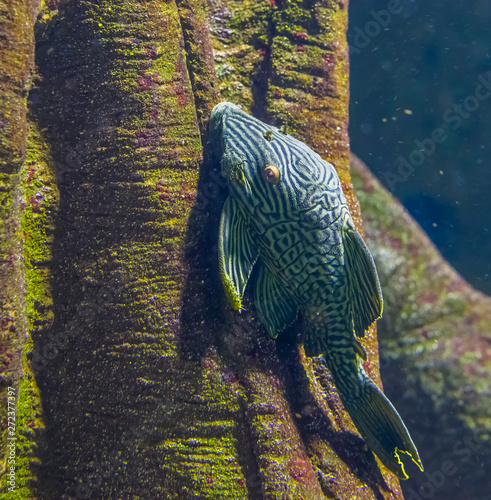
x: 375, y: 417
x: 365, y: 291
x: 276, y: 309
x: 359, y: 349
x: 237, y: 252
x: 382, y: 428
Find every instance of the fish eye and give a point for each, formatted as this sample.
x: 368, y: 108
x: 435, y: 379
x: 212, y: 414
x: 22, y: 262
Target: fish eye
x: 271, y: 174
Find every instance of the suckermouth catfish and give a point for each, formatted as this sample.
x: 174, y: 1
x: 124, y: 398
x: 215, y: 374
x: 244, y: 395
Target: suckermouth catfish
x: 286, y: 214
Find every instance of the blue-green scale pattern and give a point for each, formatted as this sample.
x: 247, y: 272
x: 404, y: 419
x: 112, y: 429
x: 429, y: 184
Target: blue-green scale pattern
x: 297, y: 226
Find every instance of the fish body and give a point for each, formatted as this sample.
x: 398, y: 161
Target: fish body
x: 286, y: 215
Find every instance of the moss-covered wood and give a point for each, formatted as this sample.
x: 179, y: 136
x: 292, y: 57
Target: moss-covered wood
x: 435, y: 348
x: 115, y: 162
x: 16, y: 58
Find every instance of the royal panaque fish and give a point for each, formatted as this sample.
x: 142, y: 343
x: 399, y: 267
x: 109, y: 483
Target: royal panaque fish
x: 286, y: 215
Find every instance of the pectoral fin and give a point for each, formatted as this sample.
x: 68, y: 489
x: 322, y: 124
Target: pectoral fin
x: 237, y: 252
x: 275, y: 307
x: 365, y: 292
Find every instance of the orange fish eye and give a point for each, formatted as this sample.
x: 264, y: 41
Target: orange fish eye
x: 271, y: 174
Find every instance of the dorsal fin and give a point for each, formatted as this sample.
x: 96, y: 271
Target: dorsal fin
x: 364, y: 286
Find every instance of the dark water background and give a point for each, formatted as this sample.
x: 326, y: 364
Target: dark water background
x: 415, y: 74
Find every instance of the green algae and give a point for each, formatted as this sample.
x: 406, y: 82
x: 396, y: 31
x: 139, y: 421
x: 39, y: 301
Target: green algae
x: 310, y: 71
x: 16, y: 57
x: 243, y: 32
x: 29, y: 427
x: 38, y: 203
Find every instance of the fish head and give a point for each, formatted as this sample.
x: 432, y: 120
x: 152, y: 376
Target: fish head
x: 267, y: 170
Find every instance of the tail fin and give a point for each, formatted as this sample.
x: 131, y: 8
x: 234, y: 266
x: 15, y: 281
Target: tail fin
x: 378, y: 421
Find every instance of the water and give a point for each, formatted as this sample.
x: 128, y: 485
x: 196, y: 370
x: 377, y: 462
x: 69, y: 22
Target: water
x: 427, y: 66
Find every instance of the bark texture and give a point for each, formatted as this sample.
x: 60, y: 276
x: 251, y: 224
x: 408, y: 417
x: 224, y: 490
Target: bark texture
x: 16, y: 58
x: 435, y: 348
x: 138, y: 379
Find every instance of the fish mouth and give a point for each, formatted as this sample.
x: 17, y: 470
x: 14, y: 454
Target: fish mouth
x: 221, y: 109
x: 217, y: 125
